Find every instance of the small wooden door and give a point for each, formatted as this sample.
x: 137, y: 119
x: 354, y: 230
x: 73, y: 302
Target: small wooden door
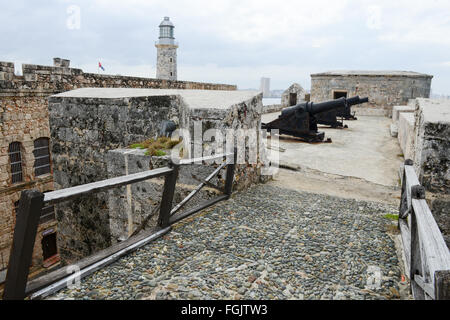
x: 49, y: 248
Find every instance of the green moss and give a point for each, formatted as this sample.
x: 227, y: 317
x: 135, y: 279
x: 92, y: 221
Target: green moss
x: 137, y: 146
x: 393, y: 217
x: 160, y: 153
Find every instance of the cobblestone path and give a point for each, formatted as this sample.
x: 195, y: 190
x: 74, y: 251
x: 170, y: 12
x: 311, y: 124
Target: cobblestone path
x: 265, y: 243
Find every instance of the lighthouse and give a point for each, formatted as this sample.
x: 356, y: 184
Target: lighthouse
x: 166, y: 61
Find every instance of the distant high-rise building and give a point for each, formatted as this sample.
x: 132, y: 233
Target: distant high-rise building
x: 265, y: 87
x: 166, y: 64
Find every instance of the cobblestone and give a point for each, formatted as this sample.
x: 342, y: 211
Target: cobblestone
x: 265, y: 243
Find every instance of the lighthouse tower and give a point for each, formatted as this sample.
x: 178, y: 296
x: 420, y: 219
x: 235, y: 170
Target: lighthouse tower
x: 166, y: 64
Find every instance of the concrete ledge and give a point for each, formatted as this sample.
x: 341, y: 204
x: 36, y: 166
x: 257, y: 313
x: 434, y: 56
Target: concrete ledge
x: 272, y: 108
x: 406, y: 134
x: 432, y: 155
x: 370, y: 112
x: 400, y: 109
x: 394, y: 130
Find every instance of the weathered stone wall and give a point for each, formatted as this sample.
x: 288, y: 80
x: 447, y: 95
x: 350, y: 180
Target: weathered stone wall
x: 242, y: 117
x: 87, y: 123
x: 432, y: 157
x: 384, y: 89
x: 432, y: 141
x: 55, y: 79
x: 293, y: 89
x: 24, y: 118
x: 272, y: 108
x: 406, y: 134
x: 83, y: 130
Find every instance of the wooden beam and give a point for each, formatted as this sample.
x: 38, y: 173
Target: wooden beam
x: 196, y: 190
x: 69, y: 193
x: 29, y: 212
x: 230, y: 175
x: 406, y: 240
x: 178, y: 217
x: 201, y: 160
x: 100, y: 263
x: 167, y: 197
x: 432, y: 242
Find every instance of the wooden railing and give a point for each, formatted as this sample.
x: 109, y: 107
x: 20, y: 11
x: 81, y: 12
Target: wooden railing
x: 32, y: 201
x: 427, y: 256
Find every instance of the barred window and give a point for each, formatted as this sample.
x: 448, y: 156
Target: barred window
x: 15, y: 158
x: 41, y: 156
x: 47, y: 213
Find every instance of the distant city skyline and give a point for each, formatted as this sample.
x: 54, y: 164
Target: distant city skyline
x: 234, y: 41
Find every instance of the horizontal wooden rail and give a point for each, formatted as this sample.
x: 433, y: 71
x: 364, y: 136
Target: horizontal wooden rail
x: 204, y: 159
x: 32, y: 201
x: 426, y: 253
x: 98, y: 263
x: 73, y: 192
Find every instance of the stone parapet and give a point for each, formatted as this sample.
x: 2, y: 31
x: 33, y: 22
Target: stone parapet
x: 406, y: 134
x: 89, y: 125
x: 385, y: 89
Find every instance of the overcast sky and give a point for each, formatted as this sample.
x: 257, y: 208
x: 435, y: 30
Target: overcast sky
x: 234, y: 41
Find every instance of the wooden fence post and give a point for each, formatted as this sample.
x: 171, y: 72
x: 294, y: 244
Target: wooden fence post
x: 29, y: 212
x: 230, y: 175
x: 167, y: 196
x: 416, y: 263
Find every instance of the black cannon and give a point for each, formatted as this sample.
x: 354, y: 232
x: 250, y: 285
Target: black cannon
x: 301, y: 120
x: 331, y: 117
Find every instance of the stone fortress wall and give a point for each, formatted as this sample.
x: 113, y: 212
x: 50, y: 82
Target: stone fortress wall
x: 91, y: 130
x: 385, y: 89
x: 24, y: 118
x: 424, y: 136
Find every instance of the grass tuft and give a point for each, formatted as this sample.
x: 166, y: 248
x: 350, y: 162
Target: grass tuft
x: 393, y: 217
x: 156, y: 147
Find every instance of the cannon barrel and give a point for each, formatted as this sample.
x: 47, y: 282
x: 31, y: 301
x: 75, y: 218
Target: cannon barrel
x: 356, y: 100
x: 314, y: 108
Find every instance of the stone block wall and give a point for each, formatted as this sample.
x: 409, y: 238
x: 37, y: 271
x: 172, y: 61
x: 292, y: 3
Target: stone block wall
x: 384, y: 89
x: 397, y: 110
x: 83, y: 130
x: 432, y: 140
x: 272, y: 108
x: 6, y: 71
x: 24, y: 118
x: 88, y: 124
x: 60, y: 78
x: 406, y: 134
x: 245, y: 115
x: 431, y: 155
